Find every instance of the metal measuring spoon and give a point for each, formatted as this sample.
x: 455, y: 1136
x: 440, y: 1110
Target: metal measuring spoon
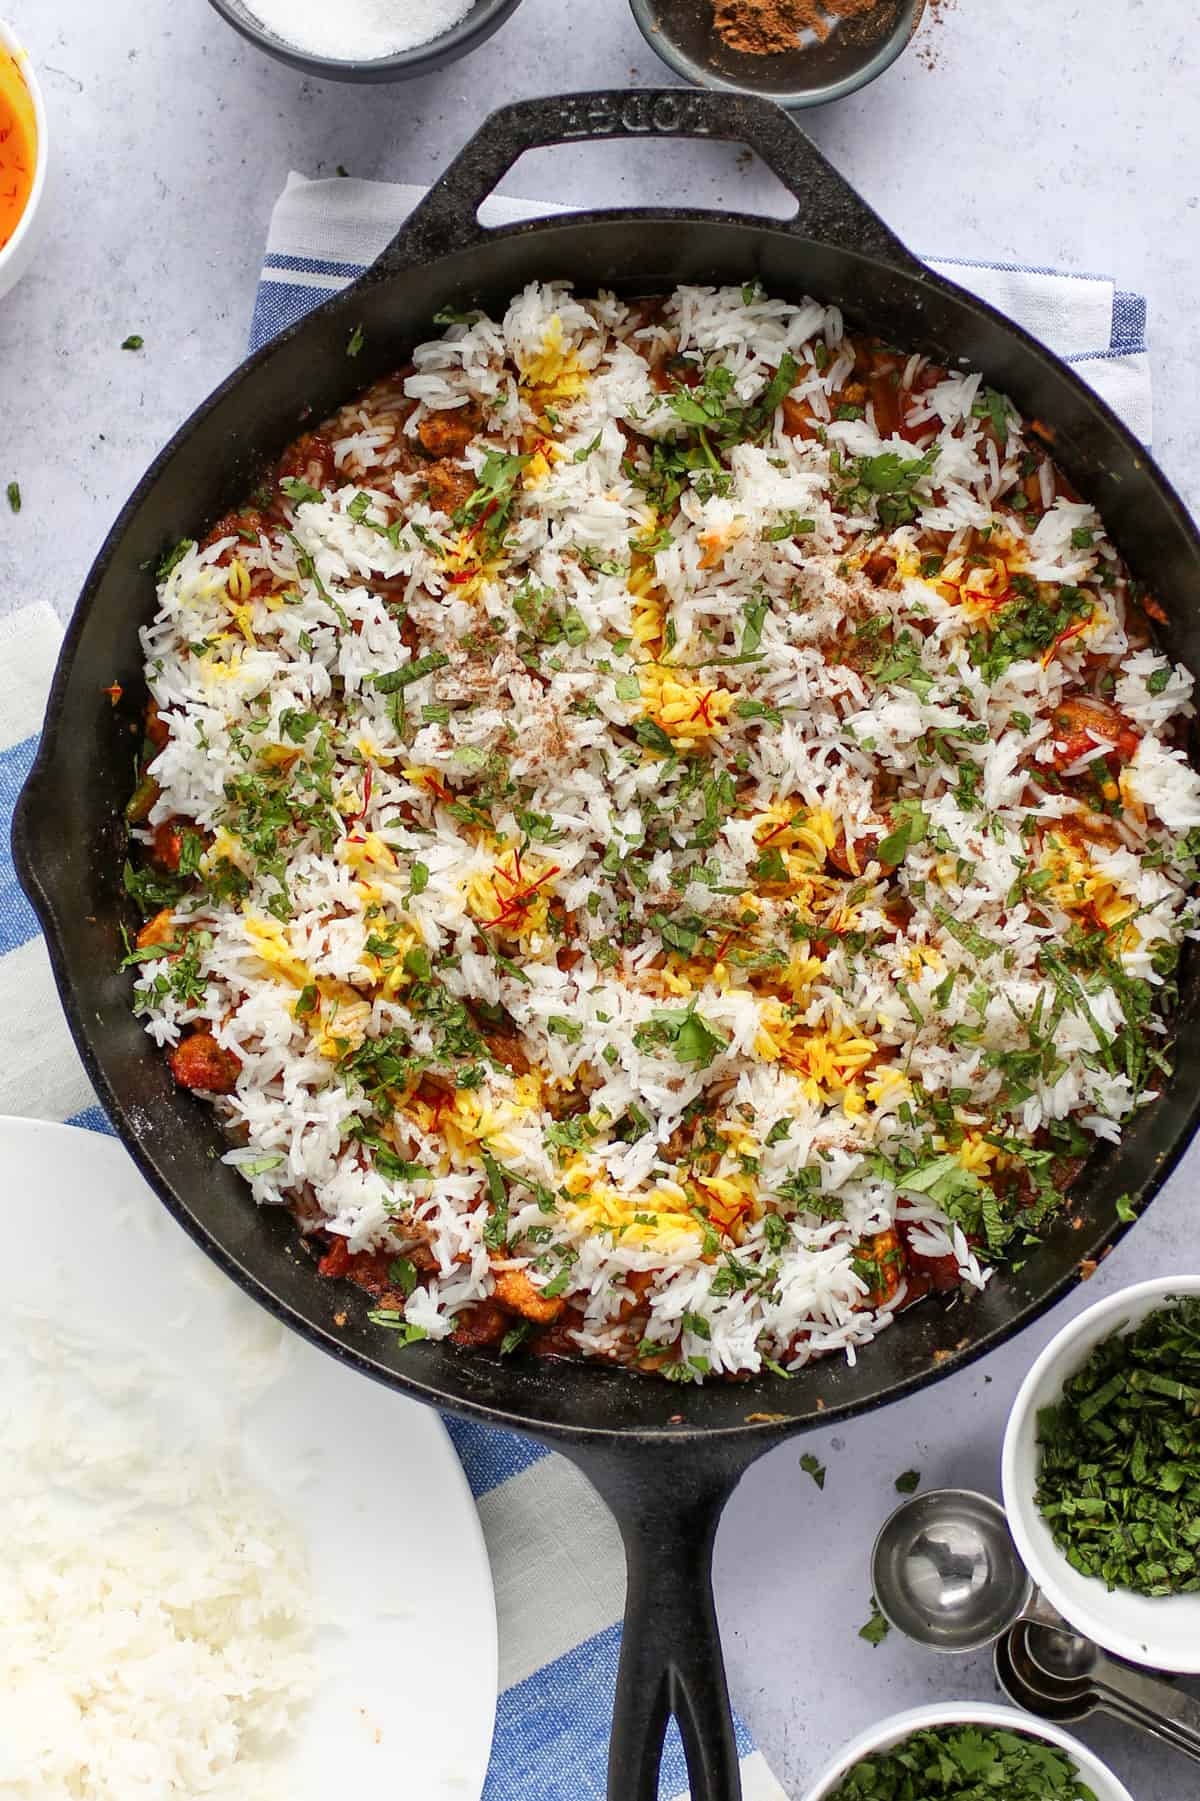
x: 1074, y: 1659
x: 946, y: 1573
x: 1067, y: 1699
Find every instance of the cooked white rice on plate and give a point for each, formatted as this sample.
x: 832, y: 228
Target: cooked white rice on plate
x: 665, y: 832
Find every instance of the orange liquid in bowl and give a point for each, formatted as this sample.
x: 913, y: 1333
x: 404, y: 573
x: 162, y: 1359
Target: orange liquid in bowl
x: 18, y: 146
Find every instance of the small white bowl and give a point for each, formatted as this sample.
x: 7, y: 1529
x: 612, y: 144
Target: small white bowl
x: 1163, y: 1633
x: 900, y: 1726
x: 17, y: 254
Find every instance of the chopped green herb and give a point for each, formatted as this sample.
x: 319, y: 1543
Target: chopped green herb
x: 393, y: 680
x: 812, y: 1466
x: 993, y: 407
x: 490, y: 505
x: 887, y: 483
x: 876, y: 1628
x: 965, y: 1763
x: 299, y: 492
x: 1118, y: 1480
x: 258, y: 1166
x: 910, y: 823
x: 790, y: 526
x: 651, y: 736
x: 402, y: 1274
x: 173, y: 558
x: 396, y: 1322
x: 684, y: 1031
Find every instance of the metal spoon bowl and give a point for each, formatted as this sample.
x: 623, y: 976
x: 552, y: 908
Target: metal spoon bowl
x: 1027, y: 1687
x: 946, y: 1572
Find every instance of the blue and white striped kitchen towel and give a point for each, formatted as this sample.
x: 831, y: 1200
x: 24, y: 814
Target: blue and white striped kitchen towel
x: 556, y: 1556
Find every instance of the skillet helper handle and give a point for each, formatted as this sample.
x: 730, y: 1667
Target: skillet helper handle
x: 828, y: 208
x: 668, y: 1507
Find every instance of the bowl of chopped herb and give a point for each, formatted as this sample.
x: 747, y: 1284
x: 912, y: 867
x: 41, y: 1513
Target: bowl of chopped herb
x: 957, y: 1753
x: 1101, y: 1473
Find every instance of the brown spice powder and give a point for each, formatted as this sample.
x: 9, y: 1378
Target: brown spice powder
x: 773, y: 27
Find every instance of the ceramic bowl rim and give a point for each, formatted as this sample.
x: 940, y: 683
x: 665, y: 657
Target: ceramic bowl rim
x: 1101, y: 1618
x: 484, y: 16
x: 10, y: 42
x: 647, y: 14
x: 897, y: 1726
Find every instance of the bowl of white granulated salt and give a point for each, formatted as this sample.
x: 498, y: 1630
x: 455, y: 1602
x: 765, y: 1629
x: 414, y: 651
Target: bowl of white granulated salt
x: 366, y: 40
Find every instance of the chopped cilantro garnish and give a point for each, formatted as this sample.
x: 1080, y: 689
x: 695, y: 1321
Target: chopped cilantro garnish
x: 299, y: 493
x: 173, y: 558
x: 683, y: 1031
x: 875, y: 1630
x: 887, y: 483
x: 910, y: 823
x: 812, y: 1466
x: 993, y: 407
x: 962, y: 1763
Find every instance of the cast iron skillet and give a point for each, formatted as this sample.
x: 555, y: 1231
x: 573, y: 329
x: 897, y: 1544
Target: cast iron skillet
x: 665, y: 1459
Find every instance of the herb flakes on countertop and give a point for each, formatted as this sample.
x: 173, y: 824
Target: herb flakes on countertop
x: 13, y: 495
x: 1119, y: 1477
x: 812, y: 1466
x: 876, y: 1628
x: 965, y: 1763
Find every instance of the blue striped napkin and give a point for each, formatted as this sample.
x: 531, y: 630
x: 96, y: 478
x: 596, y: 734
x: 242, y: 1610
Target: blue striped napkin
x: 555, y: 1551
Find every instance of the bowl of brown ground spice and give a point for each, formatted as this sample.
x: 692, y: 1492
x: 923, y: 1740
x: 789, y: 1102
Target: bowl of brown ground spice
x: 797, y: 52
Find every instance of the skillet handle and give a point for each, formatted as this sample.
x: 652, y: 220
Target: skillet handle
x: 668, y: 1501
x: 828, y: 208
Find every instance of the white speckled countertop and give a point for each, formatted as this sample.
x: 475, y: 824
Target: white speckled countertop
x: 1058, y: 133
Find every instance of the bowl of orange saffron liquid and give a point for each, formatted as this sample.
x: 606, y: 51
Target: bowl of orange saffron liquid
x: 23, y: 152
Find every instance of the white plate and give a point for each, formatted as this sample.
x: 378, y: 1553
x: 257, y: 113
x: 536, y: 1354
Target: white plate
x: 408, y: 1675
x: 1164, y: 1632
